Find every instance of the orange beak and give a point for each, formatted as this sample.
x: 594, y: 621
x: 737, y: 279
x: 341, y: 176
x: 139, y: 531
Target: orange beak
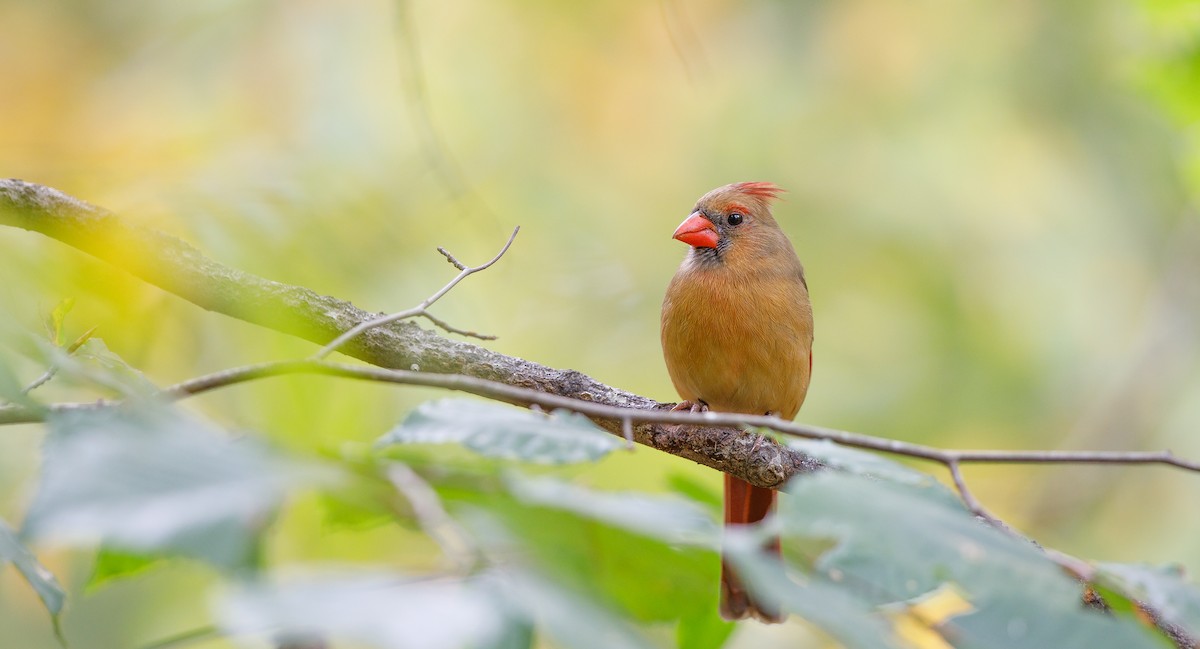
x: 697, y: 231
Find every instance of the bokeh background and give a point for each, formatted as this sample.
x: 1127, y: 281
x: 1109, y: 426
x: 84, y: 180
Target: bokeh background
x: 994, y: 202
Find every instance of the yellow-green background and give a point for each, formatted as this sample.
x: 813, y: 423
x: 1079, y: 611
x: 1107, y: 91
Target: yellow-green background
x: 993, y: 200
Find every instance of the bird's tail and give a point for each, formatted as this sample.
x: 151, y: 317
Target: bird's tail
x: 745, y: 504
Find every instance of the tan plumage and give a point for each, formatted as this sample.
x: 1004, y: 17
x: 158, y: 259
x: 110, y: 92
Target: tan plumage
x: 737, y: 333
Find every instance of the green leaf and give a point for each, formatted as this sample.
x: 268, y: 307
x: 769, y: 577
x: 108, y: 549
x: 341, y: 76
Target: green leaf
x: 699, y: 492
x: 93, y: 364
x: 1032, y: 620
x: 516, y: 635
x: 505, y: 432
x: 57, y: 317
x: 847, y: 617
x: 103, y: 365
x: 668, y: 519
x: 81, y: 340
x: 391, y: 611
x: 114, y: 564
x: 148, y: 480
x: 570, y: 620
x: 378, y: 609
x: 1162, y: 588
x: 894, y: 542
x: 10, y: 385
x: 658, y: 582
x: 43, y: 582
x: 703, y: 628
x: 12, y: 389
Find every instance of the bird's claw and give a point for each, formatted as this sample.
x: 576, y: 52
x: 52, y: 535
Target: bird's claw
x: 758, y: 439
x: 691, y: 406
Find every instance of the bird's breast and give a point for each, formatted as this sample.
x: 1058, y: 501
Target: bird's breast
x: 740, y: 344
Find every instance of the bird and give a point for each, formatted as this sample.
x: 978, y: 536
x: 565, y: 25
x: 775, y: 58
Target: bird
x: 737, y: 333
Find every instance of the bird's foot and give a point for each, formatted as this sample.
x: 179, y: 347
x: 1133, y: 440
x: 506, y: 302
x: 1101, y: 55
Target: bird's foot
x: 691, y: 406
x: 759, y: 438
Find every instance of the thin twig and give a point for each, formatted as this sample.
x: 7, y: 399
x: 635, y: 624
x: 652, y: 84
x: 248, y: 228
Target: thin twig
x: 432, y: 517
x: 455, y: 330
x: 528, y: 398
x: 1074, y: 457
x: 420, y: 308
x: 53, y: 369
x: 41, y: 380
x: 969, y: 499
x: 627, y: 431
x: 452, y: 259
x: 1076, y: 567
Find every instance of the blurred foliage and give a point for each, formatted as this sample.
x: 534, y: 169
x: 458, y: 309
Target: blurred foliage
x: 493, y: 429
x: 994, y: 203
x: 878, y: 556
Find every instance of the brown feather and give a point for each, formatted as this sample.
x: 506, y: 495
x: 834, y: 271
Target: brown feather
x: 737, y: 332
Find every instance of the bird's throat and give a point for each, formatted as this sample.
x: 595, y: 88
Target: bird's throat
x: 708, y: 257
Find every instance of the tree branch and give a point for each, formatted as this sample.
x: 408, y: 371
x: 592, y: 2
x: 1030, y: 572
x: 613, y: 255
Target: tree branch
x: 179, y: 268
x: 424, y: 358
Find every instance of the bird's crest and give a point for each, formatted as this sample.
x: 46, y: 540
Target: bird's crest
x: 765, y: 190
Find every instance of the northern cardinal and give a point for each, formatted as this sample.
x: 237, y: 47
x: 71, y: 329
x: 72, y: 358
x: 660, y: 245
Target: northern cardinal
x: 737, y: 332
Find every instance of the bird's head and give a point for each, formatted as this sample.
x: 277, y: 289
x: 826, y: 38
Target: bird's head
x: 731, y: 219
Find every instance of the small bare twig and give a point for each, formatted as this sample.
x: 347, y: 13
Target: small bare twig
x: 452, y: 259
x: 53, y: 369
x: 972, y: 503
x: 41, y: 380
x: 419, y: 310
x: 455, y: 330
x: 1076, y: 567
x: 432, y: 517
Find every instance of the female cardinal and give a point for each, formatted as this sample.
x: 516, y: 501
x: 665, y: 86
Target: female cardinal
x: 737, y: 332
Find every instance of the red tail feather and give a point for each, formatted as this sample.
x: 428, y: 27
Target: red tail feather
x: 744, y: 504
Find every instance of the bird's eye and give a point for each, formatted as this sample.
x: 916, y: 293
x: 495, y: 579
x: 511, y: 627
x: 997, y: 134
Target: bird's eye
x: 734, y: 218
